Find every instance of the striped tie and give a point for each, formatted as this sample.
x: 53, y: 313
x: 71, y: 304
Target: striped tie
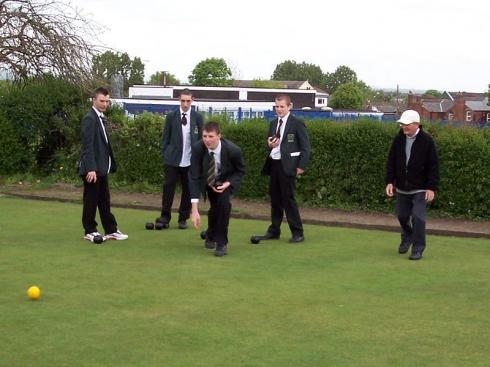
x: 211, y: 170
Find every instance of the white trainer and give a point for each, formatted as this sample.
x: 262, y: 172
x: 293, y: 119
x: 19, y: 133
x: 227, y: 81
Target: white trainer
x: 118, y: 235
x: 90, y: 236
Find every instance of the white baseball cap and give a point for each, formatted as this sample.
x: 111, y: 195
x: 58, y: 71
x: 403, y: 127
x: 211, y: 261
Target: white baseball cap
x: 408, y: 117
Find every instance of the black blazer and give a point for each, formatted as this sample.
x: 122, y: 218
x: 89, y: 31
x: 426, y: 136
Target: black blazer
x: 172, y: 136
x: 422, y: 170
x: 232, y: 167
x: 295, y: 146
x: 95, y: 151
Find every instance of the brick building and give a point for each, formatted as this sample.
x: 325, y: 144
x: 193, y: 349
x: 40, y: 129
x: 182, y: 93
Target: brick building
x: 453, y: 106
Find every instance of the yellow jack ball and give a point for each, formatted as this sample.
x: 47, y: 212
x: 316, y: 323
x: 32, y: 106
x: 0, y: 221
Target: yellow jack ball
x: 34, y: 293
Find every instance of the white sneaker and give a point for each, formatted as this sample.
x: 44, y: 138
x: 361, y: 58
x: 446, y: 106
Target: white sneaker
x: 118, y: 235
x: 90, y: 236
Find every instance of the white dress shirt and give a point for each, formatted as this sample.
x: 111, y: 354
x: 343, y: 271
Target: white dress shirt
x: 186, y: 140
x: 276, y: 152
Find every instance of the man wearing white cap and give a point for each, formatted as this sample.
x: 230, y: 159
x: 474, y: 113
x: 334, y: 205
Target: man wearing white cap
x: 412, y: 172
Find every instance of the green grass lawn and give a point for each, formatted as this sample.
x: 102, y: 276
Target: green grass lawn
x: 343, y: 298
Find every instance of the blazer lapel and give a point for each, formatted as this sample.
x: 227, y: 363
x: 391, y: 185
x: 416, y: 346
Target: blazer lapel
x: 224, y: 157
x: 193, y: 126
x: 287, y: 128
x: 178, y: 125
x: 99, y: 127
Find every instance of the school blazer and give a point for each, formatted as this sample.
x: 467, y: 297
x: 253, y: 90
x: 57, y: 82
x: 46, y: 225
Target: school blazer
x: 295, y: 146
x: 95, y: 151
x: 232, y: 167
x: 172, y: 136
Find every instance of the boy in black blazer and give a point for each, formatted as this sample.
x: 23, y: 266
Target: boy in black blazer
x: 183, y: 128
x: 96, y: 161
x: 216, y: 171
x: 288, y: 155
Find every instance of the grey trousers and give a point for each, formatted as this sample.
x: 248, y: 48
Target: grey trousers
x: 411, y: 212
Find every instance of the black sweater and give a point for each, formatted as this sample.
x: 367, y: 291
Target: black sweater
x: 422, y: 171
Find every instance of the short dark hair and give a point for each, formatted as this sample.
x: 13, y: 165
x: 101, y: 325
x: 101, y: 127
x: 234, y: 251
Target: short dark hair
x: 284, y: 97
x: 186, y: 92
x: 212, y: 126
x: 101, y: 90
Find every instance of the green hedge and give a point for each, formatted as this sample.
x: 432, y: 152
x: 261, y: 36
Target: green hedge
x: 346, y: 170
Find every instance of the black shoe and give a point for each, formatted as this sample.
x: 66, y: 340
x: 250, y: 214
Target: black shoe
x: 182, y: 224
x: 417, y: 255
x: 221, y: 250
x: 297, y: 239
x: 209, y: 244
x: 163, y: 221
x: 404, y: 247
x: 270, y: 236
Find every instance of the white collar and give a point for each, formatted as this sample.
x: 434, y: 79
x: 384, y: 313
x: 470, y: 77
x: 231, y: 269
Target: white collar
x: 217, y: 150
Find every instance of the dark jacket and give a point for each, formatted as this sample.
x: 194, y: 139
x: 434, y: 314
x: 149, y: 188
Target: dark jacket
x: 422, y: 171
x: 95, y: 151
x: 172, y: 136
x: 232, y: 167
x: 295, y: 146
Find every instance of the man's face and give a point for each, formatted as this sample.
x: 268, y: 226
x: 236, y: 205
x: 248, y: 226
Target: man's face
x: 185, y: 102
x: 409, y: 129
x: 282, y: 108
x: 100, y: 102
x: 210, y: 139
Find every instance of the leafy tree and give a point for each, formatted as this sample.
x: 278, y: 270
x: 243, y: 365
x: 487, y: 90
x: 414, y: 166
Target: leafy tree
x: 291, y: 70
x: 432, y: 93
x: 347, y: 96
x: 136, y: 72
x: 211, y: 72
x: 343, y: 74
x: 157, y: 79
x: 109, y: 63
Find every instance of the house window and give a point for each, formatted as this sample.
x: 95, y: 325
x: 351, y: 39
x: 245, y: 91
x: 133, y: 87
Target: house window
x: 321, y: 101
x: 450, y: 116
x: 488, y: 117
x: 469, y: 116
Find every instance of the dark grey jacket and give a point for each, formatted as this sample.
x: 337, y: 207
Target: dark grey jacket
x: 295, y: 146
x: 232, y: 167
x: 422, y: 170
x: 95, y: 151
x: 172, y: 136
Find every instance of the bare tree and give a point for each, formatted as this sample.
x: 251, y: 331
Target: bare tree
x: 40, y: 36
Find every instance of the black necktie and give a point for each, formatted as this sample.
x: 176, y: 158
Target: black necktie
x: 211, y: 170
x: 184, y: 119
x: 104, y: 120
x: 278, y: 131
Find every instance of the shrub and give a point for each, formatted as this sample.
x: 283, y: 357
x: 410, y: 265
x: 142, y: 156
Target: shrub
x: 46, y: 114
x: 137, y: 149
x: 15, y: 158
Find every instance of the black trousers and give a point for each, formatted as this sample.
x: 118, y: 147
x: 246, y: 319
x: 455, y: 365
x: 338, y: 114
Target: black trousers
x: 411, y: 212
x: 96, y: 195
x: 218, y: 216
x: 281, y: 191
x: 172, y: 176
